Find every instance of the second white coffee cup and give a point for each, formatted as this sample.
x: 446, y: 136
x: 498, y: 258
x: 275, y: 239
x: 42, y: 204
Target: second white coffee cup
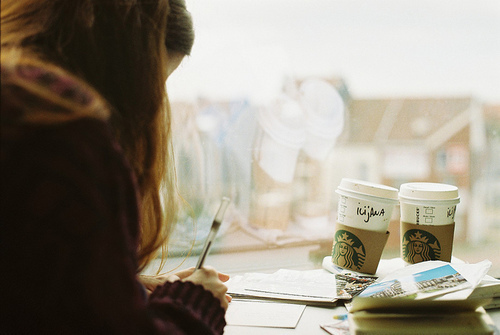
x: 428, y: 203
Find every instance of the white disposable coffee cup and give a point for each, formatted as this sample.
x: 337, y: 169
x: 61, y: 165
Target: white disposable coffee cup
x: 278, y: 143
x: 365, y: 205
x: 427, y: 221
x: 364, y: 213
x: 428, y: 203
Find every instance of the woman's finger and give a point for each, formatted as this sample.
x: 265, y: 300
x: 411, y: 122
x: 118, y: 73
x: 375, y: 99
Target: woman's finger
x: 184, y: 273
x: 223, y: 277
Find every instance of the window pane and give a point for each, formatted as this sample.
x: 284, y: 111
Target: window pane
x: 257, y: 117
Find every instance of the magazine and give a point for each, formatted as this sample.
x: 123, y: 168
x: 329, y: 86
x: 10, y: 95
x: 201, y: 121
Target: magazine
x: 437, y: 281
x: 351, y: 285
x: 425, y: 285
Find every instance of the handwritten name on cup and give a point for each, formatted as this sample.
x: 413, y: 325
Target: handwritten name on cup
x: 367, y: 212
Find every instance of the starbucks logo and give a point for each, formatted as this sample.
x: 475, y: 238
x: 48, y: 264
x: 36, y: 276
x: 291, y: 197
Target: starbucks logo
x: 419, y: 245
x: 348, y: 251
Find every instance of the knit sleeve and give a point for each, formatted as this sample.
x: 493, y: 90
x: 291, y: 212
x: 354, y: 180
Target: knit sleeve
x: 69, y: 235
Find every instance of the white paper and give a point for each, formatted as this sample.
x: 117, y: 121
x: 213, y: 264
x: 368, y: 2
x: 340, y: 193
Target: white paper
x: 311, y: 286
x: 263, y: 314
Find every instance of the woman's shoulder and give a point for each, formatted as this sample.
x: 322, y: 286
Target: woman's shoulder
x: 55, y: 137
x: 48, y: 112
x: 38, y: 93
x: 40, y: 101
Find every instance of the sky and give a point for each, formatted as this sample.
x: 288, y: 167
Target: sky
x: 380, y: 48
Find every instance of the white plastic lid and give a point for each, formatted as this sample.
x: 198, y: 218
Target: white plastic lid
x: 429, y: 191
x: 366, y: 188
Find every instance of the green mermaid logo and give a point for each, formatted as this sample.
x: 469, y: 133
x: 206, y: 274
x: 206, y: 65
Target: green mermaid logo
x: 419, y: 246
x: 348, y: 251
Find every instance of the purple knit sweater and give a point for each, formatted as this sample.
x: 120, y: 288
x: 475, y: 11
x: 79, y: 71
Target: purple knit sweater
x: 70, y: 224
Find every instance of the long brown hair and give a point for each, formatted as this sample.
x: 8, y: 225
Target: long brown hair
x: 121, y: 48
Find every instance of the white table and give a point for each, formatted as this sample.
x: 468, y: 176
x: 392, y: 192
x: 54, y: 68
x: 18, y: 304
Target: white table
x: 308, y: 324
x: 310, y: 321
x: 238, y: 253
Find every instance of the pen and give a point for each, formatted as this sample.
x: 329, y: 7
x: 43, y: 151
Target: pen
x: 213, y: 231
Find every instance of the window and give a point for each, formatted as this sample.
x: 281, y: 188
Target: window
x: 419, y: 102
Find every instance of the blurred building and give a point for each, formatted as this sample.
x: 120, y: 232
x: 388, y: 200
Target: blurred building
x: 492, y: 169
x: 454, y: 140
x: 443, y: 140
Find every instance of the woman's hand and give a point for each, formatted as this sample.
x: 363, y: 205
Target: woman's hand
x: 211, y: 280
x: 208, y: 277
x: 151, y: 282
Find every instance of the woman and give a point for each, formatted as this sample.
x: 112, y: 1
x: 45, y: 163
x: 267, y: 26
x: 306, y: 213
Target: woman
x: 86, y: 150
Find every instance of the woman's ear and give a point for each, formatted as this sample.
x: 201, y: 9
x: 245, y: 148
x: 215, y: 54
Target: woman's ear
x: 173, y: 61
